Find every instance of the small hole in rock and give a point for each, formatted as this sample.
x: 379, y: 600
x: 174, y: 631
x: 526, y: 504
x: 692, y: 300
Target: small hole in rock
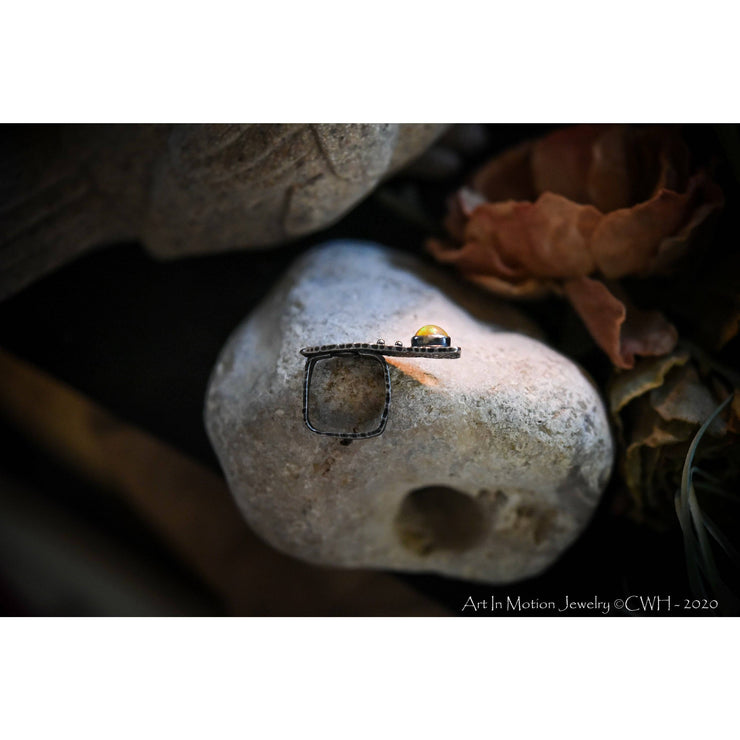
x: 439, y: 518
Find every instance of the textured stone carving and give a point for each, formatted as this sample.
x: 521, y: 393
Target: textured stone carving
x: 184, y: 189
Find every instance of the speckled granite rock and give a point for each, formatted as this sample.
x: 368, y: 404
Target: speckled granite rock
x: 489, y: 468
x: 184, y: 189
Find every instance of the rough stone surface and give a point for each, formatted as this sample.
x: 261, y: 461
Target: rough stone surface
x: 490, y: 465
x: 183, y: 189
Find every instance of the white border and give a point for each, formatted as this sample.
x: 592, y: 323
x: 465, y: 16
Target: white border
x: 367, y: 678
x: 151, y: 61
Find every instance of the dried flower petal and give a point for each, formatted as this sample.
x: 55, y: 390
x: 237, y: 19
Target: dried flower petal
x: 620, y: 329
x: 648, y: 236
x: 685, y: 398
x: 646, y: 375
x: 582, y: 204
x: 562, y: 161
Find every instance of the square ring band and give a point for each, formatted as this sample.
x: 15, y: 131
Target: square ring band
x: 430, y: 342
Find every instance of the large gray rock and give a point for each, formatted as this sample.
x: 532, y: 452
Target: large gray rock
x: 489, y: 468
x: 183, y: 189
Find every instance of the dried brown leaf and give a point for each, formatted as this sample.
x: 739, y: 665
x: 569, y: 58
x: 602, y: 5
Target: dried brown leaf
x: 619, y: 328
x: 646, y: 375
x: 683, y: 397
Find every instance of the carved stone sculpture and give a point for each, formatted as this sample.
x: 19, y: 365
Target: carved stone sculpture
x: 183, y: 189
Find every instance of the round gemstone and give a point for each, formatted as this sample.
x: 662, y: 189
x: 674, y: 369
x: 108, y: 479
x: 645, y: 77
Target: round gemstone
x: 431, y: 330
x: 430, y: 335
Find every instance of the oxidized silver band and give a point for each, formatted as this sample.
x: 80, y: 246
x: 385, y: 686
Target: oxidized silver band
x: 430, y: 342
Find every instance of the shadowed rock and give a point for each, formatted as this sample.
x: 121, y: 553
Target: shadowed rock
x: 183, y: 189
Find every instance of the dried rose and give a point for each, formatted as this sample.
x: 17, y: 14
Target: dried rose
x: 574, y: 212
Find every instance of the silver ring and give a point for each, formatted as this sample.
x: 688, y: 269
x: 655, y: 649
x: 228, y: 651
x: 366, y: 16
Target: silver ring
x: 430, y: 342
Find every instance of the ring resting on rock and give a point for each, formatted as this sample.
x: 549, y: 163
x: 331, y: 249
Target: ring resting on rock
x: 430, y: 342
